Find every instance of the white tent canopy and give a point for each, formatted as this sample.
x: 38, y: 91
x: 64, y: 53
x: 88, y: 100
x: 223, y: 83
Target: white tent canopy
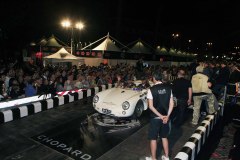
x: 62, y: 55
x: 107, y: 45
x: 140, y: 47
x: 52, y: 42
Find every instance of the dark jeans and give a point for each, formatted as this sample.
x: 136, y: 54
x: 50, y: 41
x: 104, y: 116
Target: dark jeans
x: 218, y: 90
x: 181, y: 109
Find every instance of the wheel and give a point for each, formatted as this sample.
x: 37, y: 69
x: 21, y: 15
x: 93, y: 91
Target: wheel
x: 138, y: 109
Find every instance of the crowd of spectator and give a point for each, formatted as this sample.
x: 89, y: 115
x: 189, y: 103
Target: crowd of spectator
x: 24, y: 80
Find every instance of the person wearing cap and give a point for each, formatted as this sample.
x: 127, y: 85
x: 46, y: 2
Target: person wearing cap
x: 201, y: 91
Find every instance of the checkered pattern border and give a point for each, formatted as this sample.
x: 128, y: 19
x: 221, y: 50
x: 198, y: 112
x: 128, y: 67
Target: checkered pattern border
x: 30, y: 109
x: 192, y: 147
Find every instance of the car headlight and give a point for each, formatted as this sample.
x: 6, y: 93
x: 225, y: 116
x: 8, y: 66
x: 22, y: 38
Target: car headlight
x: 95, y: 99
x: 125, y: 105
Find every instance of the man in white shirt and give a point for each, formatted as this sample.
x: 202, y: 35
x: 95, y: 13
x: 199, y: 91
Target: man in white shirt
x: 160, y: 102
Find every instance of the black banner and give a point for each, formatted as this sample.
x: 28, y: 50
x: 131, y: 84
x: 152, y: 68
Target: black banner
x: 130, y: 56
x: 89, y: 53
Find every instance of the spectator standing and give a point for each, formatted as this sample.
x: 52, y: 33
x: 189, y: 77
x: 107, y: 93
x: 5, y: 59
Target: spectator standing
x: 14, y: 90
x: 139, y: 67
x: 59, y: 84
x: 69, y: 85
x: 29, y: 89
x: 160, y: 102
x: 3, y: 93
x: 214, y: 72
x: 182, y: 90
x: 79, y: 82
x: 193, y: 67
x: 235, y: 74
x: 207, y: 70
x: 222, y: 79
x: 201, y: 91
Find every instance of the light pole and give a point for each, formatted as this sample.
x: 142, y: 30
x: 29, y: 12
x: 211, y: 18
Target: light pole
x: 189, y: 44
x: 67, y: 24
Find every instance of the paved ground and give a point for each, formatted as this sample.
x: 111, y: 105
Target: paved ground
x: 24, y: 138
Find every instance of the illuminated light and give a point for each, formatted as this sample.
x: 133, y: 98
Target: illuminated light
x: 79, y: 25
x: 217, y: 57
x: 32, y: 44
x: 189, y: 40
x: 66, y: 23
x: 206, y: 56
x: 175, y: 35
x: 158, y: 47
x: 212, y: 56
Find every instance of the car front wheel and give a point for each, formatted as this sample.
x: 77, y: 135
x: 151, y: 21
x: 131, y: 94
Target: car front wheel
x: 138, y: 109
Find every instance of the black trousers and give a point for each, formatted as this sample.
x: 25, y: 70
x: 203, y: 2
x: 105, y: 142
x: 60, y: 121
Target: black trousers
x: 180, y: 111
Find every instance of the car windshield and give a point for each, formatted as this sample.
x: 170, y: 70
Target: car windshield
x: 137, y: 85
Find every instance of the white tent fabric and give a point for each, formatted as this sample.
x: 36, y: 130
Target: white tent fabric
x: 62, y: 55
x: 107, y: 45
x: 139, y: 47
x: 161, y: 51
x: 52, y: 42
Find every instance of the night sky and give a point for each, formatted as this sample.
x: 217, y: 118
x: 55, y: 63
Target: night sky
x: 24, y: 21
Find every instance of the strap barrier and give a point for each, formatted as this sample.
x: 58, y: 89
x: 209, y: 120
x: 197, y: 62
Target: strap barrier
x: 63, y: 98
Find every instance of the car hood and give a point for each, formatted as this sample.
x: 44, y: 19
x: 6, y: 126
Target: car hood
x: 118, y: 95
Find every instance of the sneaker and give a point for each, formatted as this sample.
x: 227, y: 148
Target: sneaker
x: 190, y: 107
x: 193, y: 124
x: 165, y: 158
x: 148, y: 158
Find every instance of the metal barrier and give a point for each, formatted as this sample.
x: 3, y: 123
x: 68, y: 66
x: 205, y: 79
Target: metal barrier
x: 192, y: 147
x: 30, y: 109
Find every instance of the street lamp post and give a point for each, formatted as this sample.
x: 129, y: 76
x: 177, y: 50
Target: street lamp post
x: 68, y: 24
x: 189, y: 44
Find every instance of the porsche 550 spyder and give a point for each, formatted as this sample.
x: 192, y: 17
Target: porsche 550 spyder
x: 121, y: 102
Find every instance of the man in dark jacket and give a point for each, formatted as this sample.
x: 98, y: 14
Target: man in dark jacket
x: 221, y: 80
x: 182, y: 90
